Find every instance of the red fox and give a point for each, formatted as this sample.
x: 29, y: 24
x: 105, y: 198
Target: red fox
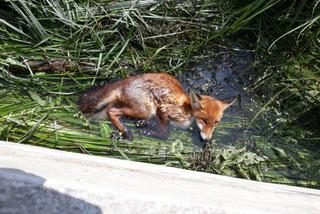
x: 153, y: 94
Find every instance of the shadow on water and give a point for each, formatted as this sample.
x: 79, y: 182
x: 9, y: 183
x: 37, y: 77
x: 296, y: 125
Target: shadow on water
x: 22, y: 193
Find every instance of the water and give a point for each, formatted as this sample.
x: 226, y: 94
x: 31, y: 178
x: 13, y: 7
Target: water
x: 225, y: 75
x: 219, y: 76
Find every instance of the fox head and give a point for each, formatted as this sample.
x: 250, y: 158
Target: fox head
x: 207, y: 112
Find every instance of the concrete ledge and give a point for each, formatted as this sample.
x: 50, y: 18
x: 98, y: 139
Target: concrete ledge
x: 39, y: 180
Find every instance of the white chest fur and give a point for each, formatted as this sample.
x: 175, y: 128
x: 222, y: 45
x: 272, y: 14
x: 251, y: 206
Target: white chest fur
x: 182, y: 124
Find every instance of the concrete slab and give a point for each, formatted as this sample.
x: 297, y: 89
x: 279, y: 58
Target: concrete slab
x: 40, y: 180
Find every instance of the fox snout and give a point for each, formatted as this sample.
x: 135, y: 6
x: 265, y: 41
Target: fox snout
x: 206, y: 136
x: 205, y: 132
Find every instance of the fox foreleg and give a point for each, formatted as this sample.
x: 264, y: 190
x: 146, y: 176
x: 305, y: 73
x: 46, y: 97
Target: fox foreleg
x: 161, y: 130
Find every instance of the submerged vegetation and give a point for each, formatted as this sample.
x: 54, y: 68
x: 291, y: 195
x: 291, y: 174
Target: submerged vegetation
x: 51, y: 51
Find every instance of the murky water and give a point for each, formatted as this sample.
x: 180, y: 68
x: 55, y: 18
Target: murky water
x: 221, y: 76
x: 229, y: 74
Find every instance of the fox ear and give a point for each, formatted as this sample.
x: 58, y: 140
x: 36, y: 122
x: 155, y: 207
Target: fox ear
x: 227, y: 103
x: 195, y: 100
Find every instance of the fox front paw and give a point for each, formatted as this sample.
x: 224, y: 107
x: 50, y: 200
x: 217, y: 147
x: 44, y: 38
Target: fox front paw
x: 127, y: 135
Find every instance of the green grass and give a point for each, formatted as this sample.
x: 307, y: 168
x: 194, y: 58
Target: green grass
x: 120, y: 38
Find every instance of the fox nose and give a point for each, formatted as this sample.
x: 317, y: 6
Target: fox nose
x: 205, y: 137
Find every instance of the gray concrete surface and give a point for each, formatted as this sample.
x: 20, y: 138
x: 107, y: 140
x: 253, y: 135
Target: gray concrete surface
x: 39, y: 180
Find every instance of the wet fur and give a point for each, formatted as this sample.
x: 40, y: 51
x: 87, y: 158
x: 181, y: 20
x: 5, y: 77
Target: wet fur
x: 147, y: 95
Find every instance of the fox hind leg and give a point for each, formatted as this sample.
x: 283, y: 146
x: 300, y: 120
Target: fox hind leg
x: 114, y: 114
